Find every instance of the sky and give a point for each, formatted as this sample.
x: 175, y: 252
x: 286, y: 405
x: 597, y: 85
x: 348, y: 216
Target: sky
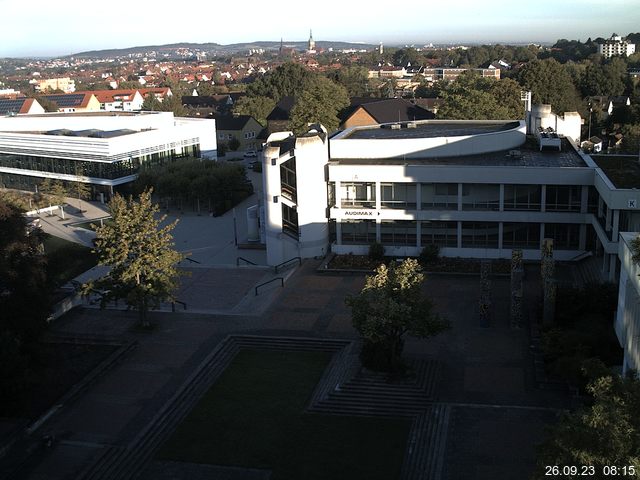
x: 44, y: 28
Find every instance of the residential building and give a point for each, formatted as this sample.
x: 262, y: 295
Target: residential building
x: 373, y: 111
x: 105, y: 150
x: 244, y: 128
x: 119, y: 100
x: 615, y: 46
x: 74, y: 102
x: 19, y: 105
x: 65, y: 84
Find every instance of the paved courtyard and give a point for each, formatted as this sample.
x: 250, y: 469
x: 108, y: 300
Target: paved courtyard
x: 497, y: 415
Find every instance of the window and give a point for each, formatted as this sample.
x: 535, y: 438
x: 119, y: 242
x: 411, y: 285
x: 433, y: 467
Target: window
x: 289, y: 221
x: 443, y: 234
x: 398, y: 195
x: 439, y: 196
x: 522, y: 197
x: 398, y: 232
x: 358, y: 232
x: 479, y: 235
x: 521, y: 235
x: 480, y: 197
x: 358, y: 194
x: 563, y: 198
x: 566, y: 236
x: 288, y: 181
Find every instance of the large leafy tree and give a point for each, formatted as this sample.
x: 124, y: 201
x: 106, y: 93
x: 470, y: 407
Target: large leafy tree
x: 288, y: 79
x: 355, y: 79
x: 390, y: 305
x: 472, y: 97
x: 602, y: 435
x: 140, y: 252
x: 259, y: 107
x: 319, y: 102
x: 550, y: 83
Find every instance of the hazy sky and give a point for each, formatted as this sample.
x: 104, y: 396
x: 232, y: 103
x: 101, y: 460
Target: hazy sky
x: 45, y: 28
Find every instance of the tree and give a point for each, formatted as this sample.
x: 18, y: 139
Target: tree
x: 258, y: 107
x: 151, y: 103
x: 288, y: 79
x: 390, y: 305
x: 472, y: 97
x: 550, y: 83
x: 603, y: 435
x: 355, y: 79
x: 140, y: 253
x: 319, y: 102
x: 406, y: 56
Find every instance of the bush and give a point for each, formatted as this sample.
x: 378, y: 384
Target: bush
x: 376, y: 251
x: 429, y: 254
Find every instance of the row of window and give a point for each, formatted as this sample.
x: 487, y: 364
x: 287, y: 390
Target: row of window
x: 110, y: 170
x: 444, y: 196
x: 473, y: 234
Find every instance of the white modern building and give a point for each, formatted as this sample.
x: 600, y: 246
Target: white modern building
x: 474, y: 188
x: 616, y: 46
x: 105, y: 150
x: 627, y: 324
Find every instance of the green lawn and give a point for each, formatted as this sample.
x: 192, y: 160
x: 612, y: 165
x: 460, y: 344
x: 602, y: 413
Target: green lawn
x: 66, y: 260
x: 254, y: 417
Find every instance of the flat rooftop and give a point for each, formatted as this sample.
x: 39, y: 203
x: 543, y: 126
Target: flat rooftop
x: 622, y: 170
x: 427, y: 129
x: 527, y: 155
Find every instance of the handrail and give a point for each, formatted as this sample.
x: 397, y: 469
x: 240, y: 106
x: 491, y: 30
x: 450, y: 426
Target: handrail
x: 288, y: 261
x: 267, y: 283
x: 244, y: 260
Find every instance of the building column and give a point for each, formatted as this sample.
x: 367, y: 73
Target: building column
x: 338, y: 194
x: 378, y: 231
x: 418, y: 196
x: 616, y: 225
x: 500, y: 232
x: 600, y: 206
x: 608, y: 220
x: 459, y: 197
x: 541, y: 236
x: 543, y: 198
x: 613, y: 259
x: 459, y: 234
x: 582, y: 241
x: 584, y: 199
x: 378, y: 199
x: 418, y: 233
x: 501, y: 208
x: 338, y: 231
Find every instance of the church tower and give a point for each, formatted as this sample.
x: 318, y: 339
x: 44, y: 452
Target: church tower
x: 312, y: 43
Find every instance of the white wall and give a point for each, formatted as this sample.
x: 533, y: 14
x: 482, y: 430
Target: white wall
x: 627, y: 322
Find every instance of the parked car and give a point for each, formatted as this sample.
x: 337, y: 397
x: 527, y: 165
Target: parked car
x: 250, y: 154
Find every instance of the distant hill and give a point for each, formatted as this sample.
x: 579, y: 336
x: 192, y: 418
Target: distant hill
x: 216, y: 48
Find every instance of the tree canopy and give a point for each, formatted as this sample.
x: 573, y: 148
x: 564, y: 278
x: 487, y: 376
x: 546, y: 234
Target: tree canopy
x: 140, y: 252
x: 390, y: 305
x: 550, y: 83
x: 320, y: 101
x: 259, y: 107
x: 602, y: 435
x: 472, y: 97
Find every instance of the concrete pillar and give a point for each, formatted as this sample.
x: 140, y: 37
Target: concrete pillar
x: 608, y: 220
x: 583, y: 237
x: 502, y: 197
x: 418, y: 196
x: 418, y: 233
x: 613, y: 259
x: 378, y: 231
x: 378, y: 195
x: 616, y: 225
x: 500, y: 232
x: 541, y: 234
x: 459, y: 234
x: 338, y: 231
x: 600, y: 206
x: 584, y: 199
x: 543, y: 199
x: 459, y: 197
x: 338, y: 194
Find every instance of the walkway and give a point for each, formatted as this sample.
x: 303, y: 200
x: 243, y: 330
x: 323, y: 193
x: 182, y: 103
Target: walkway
x: 493, y: 415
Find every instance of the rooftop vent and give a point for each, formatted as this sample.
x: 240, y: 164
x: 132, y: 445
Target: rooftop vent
x: 395, y: 126
x: 411, y: 125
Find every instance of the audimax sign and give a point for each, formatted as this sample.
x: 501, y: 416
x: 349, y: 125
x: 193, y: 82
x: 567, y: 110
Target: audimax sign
x: 361, y: 213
